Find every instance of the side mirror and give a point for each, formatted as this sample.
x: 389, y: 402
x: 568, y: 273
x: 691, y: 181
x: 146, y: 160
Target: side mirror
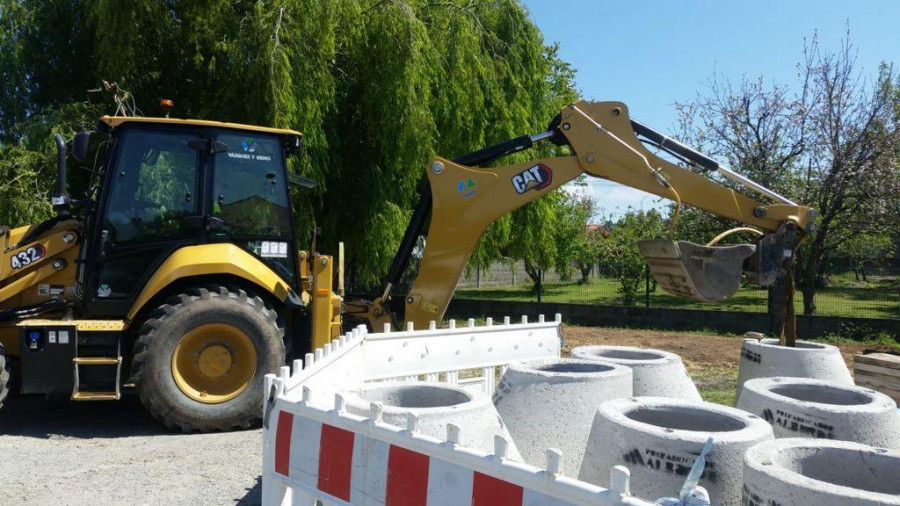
x: 292, y: 145
x: 80, y: 145
x: 60, y: 199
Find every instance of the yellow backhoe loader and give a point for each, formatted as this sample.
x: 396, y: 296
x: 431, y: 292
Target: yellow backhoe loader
x: 182, y: 277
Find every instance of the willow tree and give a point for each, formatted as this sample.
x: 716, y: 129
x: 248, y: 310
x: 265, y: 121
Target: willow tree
x: 377, y: 87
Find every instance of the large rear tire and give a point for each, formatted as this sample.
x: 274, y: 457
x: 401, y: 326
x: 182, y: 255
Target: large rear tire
x: 4, y: 376
x: 200, y: 359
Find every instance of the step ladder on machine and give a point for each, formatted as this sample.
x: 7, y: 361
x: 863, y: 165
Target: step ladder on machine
x: 97, y: 364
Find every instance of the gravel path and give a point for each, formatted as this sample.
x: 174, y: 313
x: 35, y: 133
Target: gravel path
x: 65, y: 453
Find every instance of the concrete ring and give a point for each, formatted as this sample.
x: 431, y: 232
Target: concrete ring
x: 801, y: 407
x: 815, y: 472
x: 657, y: 373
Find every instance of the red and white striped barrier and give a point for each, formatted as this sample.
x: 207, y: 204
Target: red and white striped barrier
x: 336, y: 458
x: 314, y: 452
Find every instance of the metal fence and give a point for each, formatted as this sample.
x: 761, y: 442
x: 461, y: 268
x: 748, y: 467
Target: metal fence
x: 846, y: 288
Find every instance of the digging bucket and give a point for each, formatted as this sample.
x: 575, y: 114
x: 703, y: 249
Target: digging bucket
x: 704, y: 273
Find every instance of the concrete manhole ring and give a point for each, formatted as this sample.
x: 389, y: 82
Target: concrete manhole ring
x: 551, y: 404
x: 800, y: 407
x: 659, y: 438
x: 765, y: 358
x: 815, y: 472
x: 657, y: 373
x: 436, y: 405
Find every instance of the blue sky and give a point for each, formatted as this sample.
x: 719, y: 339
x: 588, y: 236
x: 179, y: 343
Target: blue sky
x: 652, y: 54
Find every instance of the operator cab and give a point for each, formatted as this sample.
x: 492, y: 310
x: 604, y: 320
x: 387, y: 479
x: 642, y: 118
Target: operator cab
x: 173, y: 183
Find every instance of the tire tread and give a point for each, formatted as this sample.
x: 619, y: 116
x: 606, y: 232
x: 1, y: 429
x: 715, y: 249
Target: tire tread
x: 157, y: 319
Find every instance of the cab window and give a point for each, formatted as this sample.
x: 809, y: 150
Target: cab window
x: 154, y: 187
x: 249, y: 190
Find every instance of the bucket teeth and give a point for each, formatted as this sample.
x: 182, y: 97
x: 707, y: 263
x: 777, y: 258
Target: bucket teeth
x: 704, y: 273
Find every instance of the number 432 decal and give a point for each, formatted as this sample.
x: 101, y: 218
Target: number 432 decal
x: 27, y: 257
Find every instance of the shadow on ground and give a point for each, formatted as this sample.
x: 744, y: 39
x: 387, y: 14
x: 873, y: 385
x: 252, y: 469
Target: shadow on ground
x: 40, y: 417
x: 253, y: 496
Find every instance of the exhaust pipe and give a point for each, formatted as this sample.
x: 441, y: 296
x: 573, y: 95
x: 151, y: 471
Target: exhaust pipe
x: 60, y: 199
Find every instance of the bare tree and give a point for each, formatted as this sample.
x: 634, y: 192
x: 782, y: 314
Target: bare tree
x: 760, y: 131
x: 833, y: 145
x: 851, y: 173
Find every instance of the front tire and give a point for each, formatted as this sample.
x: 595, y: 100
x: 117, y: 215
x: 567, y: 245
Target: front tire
x: 200, y: 359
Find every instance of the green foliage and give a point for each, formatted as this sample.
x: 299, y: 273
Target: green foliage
x: 867, y: 247
x: 700, y: 227
x: 377, y: 87
x: 854, y: 333
x: 620, y: 250
x: 578, y: 247
x: 28, y: 163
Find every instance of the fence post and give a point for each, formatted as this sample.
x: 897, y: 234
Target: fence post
x: 647, y: 286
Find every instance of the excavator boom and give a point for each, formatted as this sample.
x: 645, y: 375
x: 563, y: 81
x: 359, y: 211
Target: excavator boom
x: 464, y: 199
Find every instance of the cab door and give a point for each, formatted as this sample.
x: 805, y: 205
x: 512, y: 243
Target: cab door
x: 152, y: 191
x: 250, y: 199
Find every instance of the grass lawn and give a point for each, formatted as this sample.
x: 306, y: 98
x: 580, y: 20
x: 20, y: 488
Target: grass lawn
x: 844, y: 297
x: 715, y: 383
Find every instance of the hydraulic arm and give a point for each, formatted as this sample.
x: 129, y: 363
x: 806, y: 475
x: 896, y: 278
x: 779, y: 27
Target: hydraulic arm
x: 464, y: 199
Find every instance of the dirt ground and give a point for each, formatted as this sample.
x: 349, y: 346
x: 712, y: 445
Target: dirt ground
x: 63, y: 453
x: 712, y: 361
x: 700, y: 349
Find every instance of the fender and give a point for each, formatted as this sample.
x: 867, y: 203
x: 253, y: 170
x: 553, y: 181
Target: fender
x: 211, y: 259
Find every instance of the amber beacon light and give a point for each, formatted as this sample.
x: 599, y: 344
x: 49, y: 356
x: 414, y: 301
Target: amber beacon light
x: 166, y: 105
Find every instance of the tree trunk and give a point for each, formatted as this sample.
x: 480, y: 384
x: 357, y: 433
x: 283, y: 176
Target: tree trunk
x: 808, y: 289
x: 585, y: 271
x: 534, y: 272
x: 808, y: 271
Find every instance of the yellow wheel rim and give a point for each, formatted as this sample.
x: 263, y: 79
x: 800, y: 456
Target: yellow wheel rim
x: 214, y: 363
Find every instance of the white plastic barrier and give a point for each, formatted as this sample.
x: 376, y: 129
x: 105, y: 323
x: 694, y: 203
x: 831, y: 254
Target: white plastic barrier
x: 313, y: 450
x: 467, y: 356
